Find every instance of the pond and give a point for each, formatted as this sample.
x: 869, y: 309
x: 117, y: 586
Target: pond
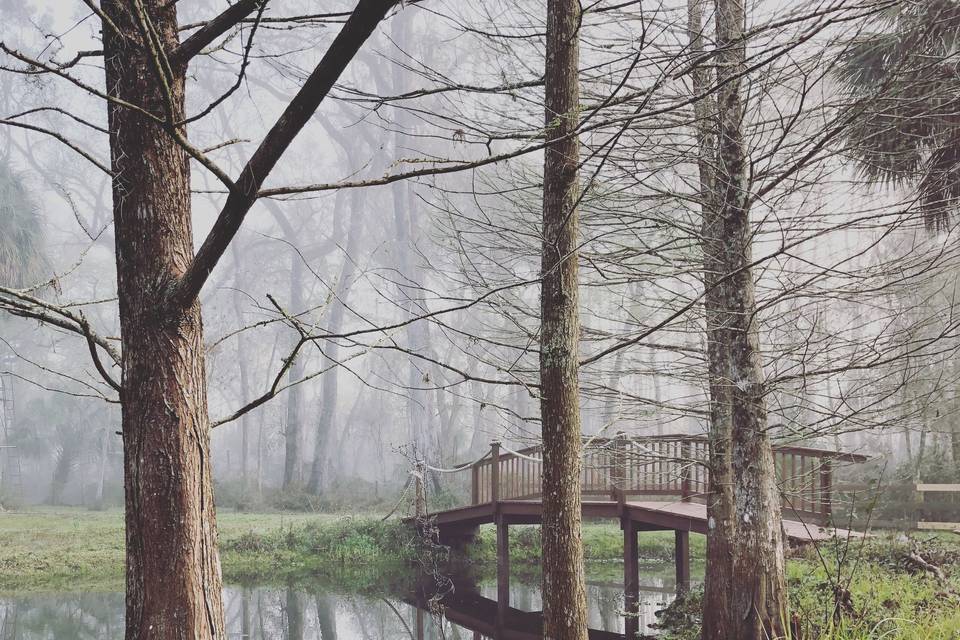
x: 426, y: 607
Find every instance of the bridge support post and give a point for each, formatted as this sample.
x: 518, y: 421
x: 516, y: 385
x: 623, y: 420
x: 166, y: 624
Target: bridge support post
x: 631, y: 576
x: 682, y: 552
x: 503, y: 566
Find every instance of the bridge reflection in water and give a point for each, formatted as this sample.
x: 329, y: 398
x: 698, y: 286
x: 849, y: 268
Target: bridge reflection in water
x: 465, y: 606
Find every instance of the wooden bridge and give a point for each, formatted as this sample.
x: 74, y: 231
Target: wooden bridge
x: 647, y: 483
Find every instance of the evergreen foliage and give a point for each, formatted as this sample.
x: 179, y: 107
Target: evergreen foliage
x: 22, y: 260
x: 906, y: 74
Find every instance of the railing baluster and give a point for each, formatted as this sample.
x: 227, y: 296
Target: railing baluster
x: 826, y: 489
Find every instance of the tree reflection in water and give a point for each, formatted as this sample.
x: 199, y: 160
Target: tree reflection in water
x: 307, y: 610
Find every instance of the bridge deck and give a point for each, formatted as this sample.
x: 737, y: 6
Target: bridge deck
x: 647, y: 515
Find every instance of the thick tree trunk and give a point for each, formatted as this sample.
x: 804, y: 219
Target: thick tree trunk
x: 410, y: 278
x: 720, y: 500
x: 564, y: 591
x: 745, y: 589
x: 173, y: 587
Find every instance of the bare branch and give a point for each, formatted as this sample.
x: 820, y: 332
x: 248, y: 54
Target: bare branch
x: 355, y: 32
x: 212, y: 30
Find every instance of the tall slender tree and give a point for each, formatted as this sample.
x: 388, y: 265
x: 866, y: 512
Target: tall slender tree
x: 746, y: 591
x: 564, y: 589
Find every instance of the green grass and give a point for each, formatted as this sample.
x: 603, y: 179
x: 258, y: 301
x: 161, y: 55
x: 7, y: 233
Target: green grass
x: 319, y: 545
x: 46, y: 548
x: 889, y: 596
x: 881, y: 595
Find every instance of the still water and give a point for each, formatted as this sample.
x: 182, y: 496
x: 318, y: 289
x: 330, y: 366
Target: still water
x: 426, y: 609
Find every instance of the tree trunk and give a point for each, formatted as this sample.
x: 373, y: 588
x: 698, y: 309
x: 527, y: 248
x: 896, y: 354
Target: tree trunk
x: 293, y: 460
x: 173, y: 586
x: 921, y: 447
x: 410, y: 278
x: 955, y: 445
x: 331, y: 379
x: 243, y: 369
x: 745, y: 588
x: 720, y: 500
x: 102, y: 470
x: 564, y: 590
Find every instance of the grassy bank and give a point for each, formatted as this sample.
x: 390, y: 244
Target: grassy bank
x: 868, y: 590
x: 53, y: 549
x: 67, y: 548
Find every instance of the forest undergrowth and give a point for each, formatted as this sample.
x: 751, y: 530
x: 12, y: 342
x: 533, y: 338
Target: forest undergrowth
x: 890, y: 587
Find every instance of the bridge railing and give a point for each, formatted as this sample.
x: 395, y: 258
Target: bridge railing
x: 655, y: 467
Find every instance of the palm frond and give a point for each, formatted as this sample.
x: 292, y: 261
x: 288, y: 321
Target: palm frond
x: 909, y: 132
x: 22, y: 255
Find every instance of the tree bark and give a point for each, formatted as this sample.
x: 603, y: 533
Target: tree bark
x: 564, y: 591
x: 173, y: 586
x: 745, y: 588
x: 720, y: 498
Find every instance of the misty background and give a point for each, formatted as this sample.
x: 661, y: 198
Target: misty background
x: 414, y: 305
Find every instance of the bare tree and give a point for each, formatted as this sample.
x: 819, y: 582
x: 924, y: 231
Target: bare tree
x: 564, y: 584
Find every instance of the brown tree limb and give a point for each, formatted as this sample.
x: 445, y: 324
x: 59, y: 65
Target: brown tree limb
x: 244, y: 194
x: 212, y: 30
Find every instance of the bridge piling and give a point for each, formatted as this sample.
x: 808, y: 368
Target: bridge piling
x: 631, y: 576
x: 503, y: 565
x: 682, y: 560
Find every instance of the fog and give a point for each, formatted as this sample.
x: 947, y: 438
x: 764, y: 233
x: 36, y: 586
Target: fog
x: 410, y: 303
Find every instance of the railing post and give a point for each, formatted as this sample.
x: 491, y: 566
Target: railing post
x: 475, y: 483
x: 420, y: 499
x: 826, y: 489
x: 686, y: 464
x: 618, y: 475
x: 495, y: 472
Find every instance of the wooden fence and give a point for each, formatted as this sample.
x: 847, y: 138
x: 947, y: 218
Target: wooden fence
x: 660, y: 467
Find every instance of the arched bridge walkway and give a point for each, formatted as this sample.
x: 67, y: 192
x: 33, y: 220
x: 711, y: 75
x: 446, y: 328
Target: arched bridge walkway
x: 646, y: 483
